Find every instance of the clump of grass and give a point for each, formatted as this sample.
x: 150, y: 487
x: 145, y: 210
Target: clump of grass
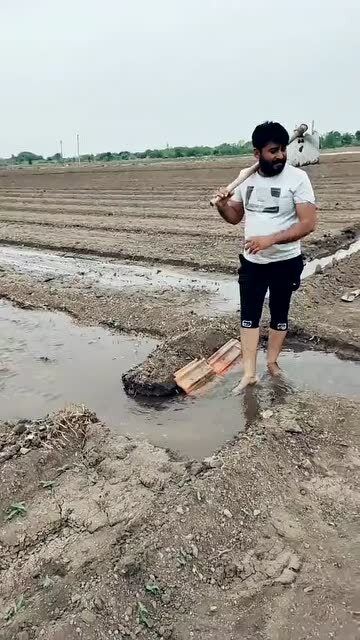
x: 47, y: 484
x: 16, y: 509
x: 66, y: 425
x: 153, y: 588
x: 15, y: 608
x: 143, y: 615
x: 47, y: 582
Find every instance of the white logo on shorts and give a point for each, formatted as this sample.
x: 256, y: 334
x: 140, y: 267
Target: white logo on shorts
x: 282, y: 326
x: 247, y: 324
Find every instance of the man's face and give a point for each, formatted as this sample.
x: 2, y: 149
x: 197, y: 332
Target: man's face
x: 272, y: 158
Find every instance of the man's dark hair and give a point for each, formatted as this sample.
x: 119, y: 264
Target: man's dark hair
x: 269, y: 132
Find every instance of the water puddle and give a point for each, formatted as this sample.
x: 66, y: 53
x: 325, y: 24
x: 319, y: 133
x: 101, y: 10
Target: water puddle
x: 222, y: 290
x: 200, y: 425
x: 113, y: 274
x: 47, y: 361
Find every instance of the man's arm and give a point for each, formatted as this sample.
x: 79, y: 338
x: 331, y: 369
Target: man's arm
x: 230, y: 210
x: 306, y: 213
x: 304, y: 200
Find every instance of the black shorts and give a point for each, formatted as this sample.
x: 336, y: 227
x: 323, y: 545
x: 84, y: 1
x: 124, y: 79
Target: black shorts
x: 281, y: 278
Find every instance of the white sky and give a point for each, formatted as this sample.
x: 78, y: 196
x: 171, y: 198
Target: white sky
x: 133, y: 74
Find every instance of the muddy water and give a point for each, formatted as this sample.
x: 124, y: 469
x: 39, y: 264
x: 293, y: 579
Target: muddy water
x: 113, y: 274
x: 222, y: 290
x: 47, y: 361
x: 202, y: 424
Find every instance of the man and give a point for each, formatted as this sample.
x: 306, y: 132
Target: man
x: 279, y: 208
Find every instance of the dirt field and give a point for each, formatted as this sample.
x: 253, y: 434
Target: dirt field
x: 115, y: 539
x: 155, y: 213
x: 104, y: 536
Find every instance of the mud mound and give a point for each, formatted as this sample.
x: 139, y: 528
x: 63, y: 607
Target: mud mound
x: 330, y: 243
x: 155, y: 376
x: 53, y: 432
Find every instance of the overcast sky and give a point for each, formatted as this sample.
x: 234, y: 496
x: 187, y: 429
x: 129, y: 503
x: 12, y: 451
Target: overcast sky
x: 133, y: 74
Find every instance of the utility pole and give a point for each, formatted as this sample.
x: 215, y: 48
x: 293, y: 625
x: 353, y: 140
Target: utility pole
x: 61, y: 149
x: 78, y: 147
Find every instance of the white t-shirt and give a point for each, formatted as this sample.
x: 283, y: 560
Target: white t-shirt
x: 269, y: 205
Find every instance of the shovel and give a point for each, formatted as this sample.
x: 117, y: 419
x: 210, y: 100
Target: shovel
x: 246, y: 173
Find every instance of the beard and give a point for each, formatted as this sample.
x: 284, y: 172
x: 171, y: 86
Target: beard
x: 271, y: 168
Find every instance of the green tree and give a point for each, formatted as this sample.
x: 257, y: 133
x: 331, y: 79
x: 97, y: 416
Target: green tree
x: 87, y: 157
x: 357, y: 136
x: 331, y: 140
x: 106, y: 156
x: 154, y: 153
x: 55, y: 158
x: 27, y: 156
x: 346, y: 139
x: 227, y: 149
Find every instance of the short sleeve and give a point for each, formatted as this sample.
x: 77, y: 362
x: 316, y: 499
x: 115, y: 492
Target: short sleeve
x: 304, y: 191
x: 236, y: 196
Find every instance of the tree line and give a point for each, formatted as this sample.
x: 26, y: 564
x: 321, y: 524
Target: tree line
x: 330, y: 140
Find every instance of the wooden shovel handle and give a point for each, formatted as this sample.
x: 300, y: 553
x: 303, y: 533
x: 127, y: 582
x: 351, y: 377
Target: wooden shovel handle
x: 243, y: 175
x: 246, y: 173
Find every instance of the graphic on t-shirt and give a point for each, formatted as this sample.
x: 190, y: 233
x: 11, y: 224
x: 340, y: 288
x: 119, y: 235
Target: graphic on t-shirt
x: 264, y: 200
x: 276, y: 192
x: 249, y: 191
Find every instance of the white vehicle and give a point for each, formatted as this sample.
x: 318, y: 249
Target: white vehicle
x: 304, y: 149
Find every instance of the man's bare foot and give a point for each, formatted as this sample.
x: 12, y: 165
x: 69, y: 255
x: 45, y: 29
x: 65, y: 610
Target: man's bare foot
x: 244, y: 382
x: 274, y: 369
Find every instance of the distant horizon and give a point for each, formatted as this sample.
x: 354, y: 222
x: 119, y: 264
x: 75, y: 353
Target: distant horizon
x: 164, y: 148
x: 234, y: 141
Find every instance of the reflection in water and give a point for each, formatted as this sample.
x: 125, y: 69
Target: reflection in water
x: 251, y: 403
x: 272, y: 391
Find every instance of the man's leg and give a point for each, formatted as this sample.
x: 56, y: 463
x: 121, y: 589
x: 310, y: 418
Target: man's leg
x: 249, y: 349
x: 284, y: 280
x: 275, y: 345
x: 253, y: 286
